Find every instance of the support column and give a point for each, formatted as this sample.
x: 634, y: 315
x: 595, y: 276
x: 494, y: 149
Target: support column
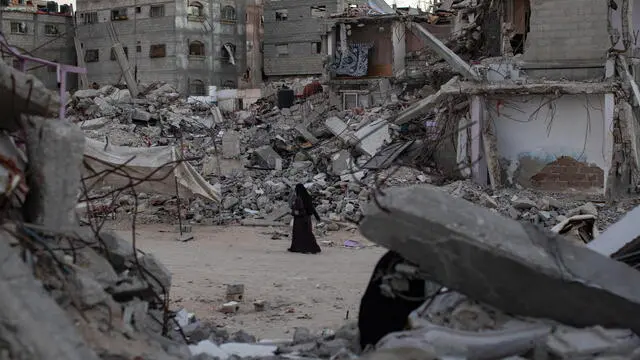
x: 608, y: 115
x: 479, y: 163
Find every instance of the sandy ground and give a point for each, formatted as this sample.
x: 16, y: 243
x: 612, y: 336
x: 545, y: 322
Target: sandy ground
x: 313, y: 291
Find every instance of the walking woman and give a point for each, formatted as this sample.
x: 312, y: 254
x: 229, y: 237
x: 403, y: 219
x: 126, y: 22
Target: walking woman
x: 302, y: 239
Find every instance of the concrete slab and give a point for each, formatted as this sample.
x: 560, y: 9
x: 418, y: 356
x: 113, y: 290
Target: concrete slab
x: 502, y: 262
x: 618, y: 235
x: 341, y: 162
x: 340, y: 129
x: 95, y: 124
x: 141, y: 115
x: 230, y: 145
x: 302, y: 130
x: 269, y: 158
x: 373, y: 136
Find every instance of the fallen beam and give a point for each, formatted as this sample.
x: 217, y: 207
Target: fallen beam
x: 447, y: 54
x: 31, y: 322
x: 514, y: 267
x: 466, y: 88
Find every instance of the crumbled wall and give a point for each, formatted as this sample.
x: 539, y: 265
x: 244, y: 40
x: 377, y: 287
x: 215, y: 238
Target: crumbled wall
x: 551, y: 143
x: 566, y: 172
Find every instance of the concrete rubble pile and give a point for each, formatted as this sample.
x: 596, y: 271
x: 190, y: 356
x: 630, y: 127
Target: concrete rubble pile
x: 72, y: 292
x: 256, y: 156
x: 502, y: 289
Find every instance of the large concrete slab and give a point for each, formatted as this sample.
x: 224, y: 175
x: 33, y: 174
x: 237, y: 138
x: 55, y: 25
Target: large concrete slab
x: 492, y: 259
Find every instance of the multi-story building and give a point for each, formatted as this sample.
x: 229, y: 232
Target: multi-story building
x: 40, y: 32
x: 293, y: 34
x: 189, y: 44
x: 255, y: 33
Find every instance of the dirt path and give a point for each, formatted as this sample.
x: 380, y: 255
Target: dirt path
x: 314, y: 291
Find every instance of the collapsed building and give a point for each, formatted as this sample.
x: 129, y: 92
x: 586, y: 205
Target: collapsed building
x: 539, y: 96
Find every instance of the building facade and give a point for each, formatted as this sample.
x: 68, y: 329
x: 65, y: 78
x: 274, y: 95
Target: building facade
x: 43, y: 35
x: 293, y: 36
x: 189, y: 44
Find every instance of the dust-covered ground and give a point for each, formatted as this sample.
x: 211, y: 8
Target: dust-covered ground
x: 313, y: 291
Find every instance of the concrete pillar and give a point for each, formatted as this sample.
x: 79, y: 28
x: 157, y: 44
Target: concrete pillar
x: 479, y: 164
x: 55, y: 150
x: 608, y: 115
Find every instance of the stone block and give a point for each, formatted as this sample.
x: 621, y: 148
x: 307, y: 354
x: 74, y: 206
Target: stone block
x: 86, y: 93
x: 268, y: 158
x: 230, y: 145
x: 55, y: 150
x: 141, y: 115
x: 95, y: 124
x: 373, y: 136
x: 487, y: 257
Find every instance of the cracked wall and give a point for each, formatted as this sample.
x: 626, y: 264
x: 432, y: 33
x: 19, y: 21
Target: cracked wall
x: 552, y: 143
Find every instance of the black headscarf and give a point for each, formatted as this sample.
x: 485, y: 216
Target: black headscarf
x: 307, y: 201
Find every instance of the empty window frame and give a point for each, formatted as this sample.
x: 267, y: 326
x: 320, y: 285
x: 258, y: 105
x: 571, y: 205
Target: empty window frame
x: 90, y: 17
x: 138, y: 10
x: 18, y: 28
x: 119, y: 14
x: 158, y: 51
x: 228, y: 13
x: 196, y: 48
x: 113, y: 56
x: 156, y: 11
x: 316, y: 47
x: 92, y: 55
x: 138, y: 48
x: 282, y: 15
x: 319, y: 12
x: 195, y: 10
x: 282, y: 50
x: 196, y: 87
x: 51, y: 29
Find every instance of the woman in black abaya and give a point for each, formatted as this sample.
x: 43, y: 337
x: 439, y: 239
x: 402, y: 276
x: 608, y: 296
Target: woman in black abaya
x: 302, y: 239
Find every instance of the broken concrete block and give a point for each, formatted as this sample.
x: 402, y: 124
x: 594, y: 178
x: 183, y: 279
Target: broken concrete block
x: 86, y: 93
x: 120, y: 96
x: 244, y: 351
x: 229, y: 202
x: 95, y: 124
x: 572, y: 343
x: 141, y: 115
x: 302, y: 130
x: 586, y: 209
x: 105, y: 108
x: 230, y: 145
x: 338, y: 128
x: 89, y: 291
x: 160, y: 273
x: 259, y: 305
x: 39, y: 328
x: 120, y: 251
x: 230, y: 307
x: 55, y: 150
x: 618, y: 235
x: 373, y: 136
x: 488, y: 257
x: 341, y: 162
x: 235, y: 292
x: 523, y: 203
x: 268, y: 157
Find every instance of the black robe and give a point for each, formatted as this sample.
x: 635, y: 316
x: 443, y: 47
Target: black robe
x: 302, y: 238
x: 380, y: 315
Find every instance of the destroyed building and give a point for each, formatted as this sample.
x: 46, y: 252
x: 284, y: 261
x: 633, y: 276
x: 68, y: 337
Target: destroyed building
x: 546, y: 111
x: 41, y: 29
x: 252, y: 78
x: 190, y: 45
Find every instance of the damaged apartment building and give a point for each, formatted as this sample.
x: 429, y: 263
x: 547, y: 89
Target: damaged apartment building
x: 42, y: 29
x: 193, y: 45
x: 550, y: 102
